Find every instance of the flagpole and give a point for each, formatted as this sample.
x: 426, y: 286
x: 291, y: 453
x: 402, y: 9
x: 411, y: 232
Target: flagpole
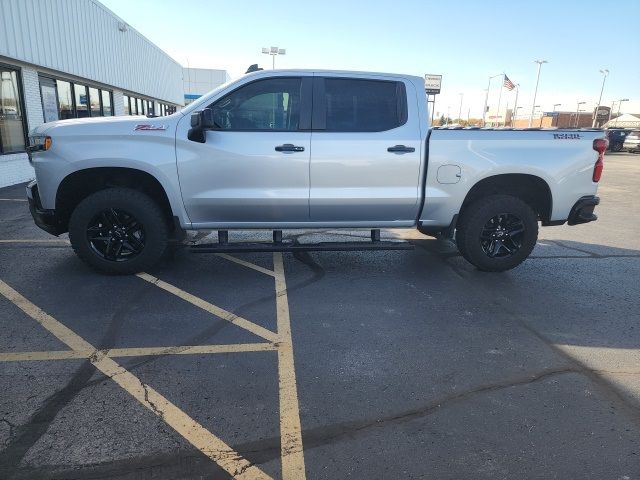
x: 515, y: 105
x: 500, y: 98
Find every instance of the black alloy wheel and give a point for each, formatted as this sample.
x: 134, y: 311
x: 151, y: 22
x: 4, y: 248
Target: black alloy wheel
x: 119, y: 231
x: 497, y: 232
x: 502, y: 235
x: 116, y: 235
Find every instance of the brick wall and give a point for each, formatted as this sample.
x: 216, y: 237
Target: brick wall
x: 33, y: 103
x: 118, y: 102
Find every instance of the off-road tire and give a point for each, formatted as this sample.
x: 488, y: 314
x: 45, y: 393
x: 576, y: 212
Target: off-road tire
x: 146, y: 212
x: 475, y: 217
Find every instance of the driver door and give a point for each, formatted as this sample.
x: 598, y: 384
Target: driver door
x: 253, y: 169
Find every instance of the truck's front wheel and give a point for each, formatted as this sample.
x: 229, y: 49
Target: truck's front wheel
x: 497, y: 232
x: 118, y: 231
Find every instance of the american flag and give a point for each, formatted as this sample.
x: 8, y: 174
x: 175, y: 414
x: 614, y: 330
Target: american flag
x: 508, y: 84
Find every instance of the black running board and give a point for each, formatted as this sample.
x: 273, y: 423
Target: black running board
x: 354, y: 246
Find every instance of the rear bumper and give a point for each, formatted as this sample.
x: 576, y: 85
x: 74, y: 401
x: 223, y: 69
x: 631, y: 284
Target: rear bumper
x: 582, y: 211
x: 47, y: 220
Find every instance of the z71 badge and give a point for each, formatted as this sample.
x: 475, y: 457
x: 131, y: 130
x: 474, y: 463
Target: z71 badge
x: 148, y: 126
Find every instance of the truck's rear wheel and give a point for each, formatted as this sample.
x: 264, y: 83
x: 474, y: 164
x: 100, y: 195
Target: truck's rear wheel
x: 497, y: 233
x: 118, y: 231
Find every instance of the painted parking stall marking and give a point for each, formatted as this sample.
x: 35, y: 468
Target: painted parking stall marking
x: 292, y: 454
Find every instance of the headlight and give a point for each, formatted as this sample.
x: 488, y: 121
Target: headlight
x: 38, y: 143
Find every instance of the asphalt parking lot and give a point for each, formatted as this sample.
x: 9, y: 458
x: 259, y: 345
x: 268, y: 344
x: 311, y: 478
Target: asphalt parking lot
x: 371, y: 365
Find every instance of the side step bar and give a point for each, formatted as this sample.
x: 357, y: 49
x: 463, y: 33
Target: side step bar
x: 278, y: 245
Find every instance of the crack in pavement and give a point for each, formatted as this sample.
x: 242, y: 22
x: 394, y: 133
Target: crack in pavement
x: 153, y: 406
x: 28, y: 434
x: 266, y: 450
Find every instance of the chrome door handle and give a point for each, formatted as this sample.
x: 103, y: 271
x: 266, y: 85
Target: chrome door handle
x: 289, y: 147
x: 401, y: 149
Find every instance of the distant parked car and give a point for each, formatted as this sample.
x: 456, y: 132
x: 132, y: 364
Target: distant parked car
x: 632, y: 141
x: 616, y: 138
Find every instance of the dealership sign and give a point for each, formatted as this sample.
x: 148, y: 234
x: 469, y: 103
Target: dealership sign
x: 432, y: 84
x: 602, y: 113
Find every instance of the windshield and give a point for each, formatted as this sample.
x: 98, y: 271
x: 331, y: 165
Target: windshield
x: 193, y: 105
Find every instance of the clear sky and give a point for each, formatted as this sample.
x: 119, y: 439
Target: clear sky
x: 464, y: 40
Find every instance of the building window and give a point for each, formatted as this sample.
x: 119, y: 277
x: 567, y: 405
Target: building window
x: 65, y: 100
x: 107, y: 111
x: 62, y: 100
x: 94, y: 102
x: 82, y: 105
x: 12, y: 125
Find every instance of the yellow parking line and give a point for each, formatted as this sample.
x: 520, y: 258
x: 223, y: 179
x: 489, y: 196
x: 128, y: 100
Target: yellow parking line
x: 51, y: 355
x: 138, y: 352
x: 209, y: 307
x: 290, y: 429
x: 191, y: 350
x: 239, y: 261
x: 196, y: 434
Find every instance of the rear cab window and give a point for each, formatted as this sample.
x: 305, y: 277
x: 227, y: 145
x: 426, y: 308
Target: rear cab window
x: 359, y: 105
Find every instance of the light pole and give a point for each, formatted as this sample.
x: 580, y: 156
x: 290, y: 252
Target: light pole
x: 555, y: 118
x: 273, y: 51
x: 604, y: 73
x: 460, y: 109
x: 486, y: 98
x: 448, y: 112
x: 578, y: 112
x: 620, y: 103
x: 535, y: 92
x: 534, y: 108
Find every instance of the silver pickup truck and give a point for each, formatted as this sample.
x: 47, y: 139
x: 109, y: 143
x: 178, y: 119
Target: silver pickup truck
x: 306, y: 149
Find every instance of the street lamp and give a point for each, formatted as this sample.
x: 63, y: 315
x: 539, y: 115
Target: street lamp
x: 273, y: 51
x: 620, y: 103
x: 460, y: 109
x: 604, y: 73
x: 555, y: 118
x: 534, y: 109
x: 535, y: 92
x: 486, y: 98
x: 612, y: 105
x: 578, y: 112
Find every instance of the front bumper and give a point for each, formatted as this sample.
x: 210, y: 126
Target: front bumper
x: 582, y: 211
x: 47, y: 220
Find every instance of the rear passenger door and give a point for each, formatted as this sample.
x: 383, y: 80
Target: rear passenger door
x: 365, y: 150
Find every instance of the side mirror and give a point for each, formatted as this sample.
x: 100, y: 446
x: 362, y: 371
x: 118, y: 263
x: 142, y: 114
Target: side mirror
x: 201, y: 122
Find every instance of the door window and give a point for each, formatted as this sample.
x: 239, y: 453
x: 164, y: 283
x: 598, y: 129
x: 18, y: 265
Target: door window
x: 354, y: 105
x: 265, y: 105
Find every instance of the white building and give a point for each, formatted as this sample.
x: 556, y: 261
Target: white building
x: 64, y: 59
x: 198, y: 81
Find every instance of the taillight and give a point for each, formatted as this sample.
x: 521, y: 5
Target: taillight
x: 599, y: 145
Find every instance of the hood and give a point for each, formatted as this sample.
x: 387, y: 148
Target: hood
x: 119, y: 124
